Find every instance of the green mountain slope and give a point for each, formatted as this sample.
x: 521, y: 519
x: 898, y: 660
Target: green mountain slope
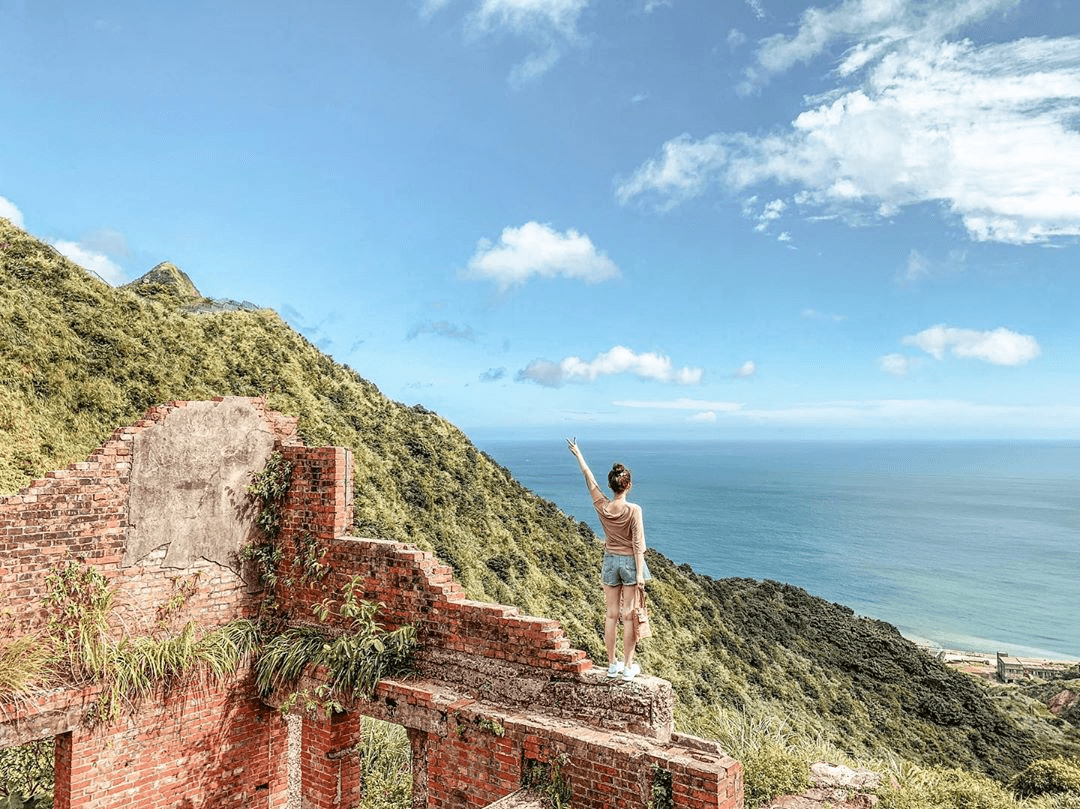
x: 79, y: 358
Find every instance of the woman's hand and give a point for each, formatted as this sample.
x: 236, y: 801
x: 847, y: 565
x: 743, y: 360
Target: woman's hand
x: 571, y: 443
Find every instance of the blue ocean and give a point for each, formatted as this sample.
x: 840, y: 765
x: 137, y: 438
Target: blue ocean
x: 967, y: 545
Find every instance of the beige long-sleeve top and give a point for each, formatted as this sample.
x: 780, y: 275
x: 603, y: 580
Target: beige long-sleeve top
x: 624, y: 528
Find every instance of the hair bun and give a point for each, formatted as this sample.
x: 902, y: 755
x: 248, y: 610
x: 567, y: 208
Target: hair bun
x: 618, y: 478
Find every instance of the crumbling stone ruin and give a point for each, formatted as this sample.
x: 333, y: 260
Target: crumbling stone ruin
x: 162, y: 509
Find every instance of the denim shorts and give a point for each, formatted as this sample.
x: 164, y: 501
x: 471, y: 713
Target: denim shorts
x: 618, y: 570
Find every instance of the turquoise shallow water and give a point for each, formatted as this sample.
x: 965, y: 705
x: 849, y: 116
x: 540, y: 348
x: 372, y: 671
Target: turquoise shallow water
x: 967, y: 545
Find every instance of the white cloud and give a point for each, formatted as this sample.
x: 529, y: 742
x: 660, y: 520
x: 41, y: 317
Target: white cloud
x: 897, y: 364
x: 746, y: 370
x: 680, y: 404
x: 928, y: 416
x: 917, y: 267
x: 735, y: 38
x: 986, y: 132
x: 708, y: 417
x: 756, y: 7
x: 873, y: 25
x: 683, y: 171
x: 956, y: 416
x: 652, y: 5
x: 1000, y: 346
x: 429, y: 8
x: 770, y: 213
x: 98, y: 263
x: 10, y: 212
x: 619, y: 360
x: 536, y: 249
x: 550, y: 24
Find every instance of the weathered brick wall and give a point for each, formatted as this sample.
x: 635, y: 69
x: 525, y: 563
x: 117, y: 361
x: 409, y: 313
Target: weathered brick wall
x: 197, y: 748
x: 494, y: 691
x: 82, y: 513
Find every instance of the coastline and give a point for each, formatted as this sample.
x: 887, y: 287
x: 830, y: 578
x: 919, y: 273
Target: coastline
x: 997, y: 525
x: 999, y: 666
x: 977, y: 648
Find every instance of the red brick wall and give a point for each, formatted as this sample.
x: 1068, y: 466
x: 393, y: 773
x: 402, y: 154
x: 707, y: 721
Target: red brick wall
x: 479, y: 667
x: 81, y: 513
x: 197, y: 748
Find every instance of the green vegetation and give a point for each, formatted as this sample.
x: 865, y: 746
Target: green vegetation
x: 545, y: 780
x: 1054, y: 776
x: 79, y: 646
x: 385, y: 765
x: 355, y: 660
x: 660, y: 793
x: 26, y: 776
x: 79, y: 359
x: 25, y: 667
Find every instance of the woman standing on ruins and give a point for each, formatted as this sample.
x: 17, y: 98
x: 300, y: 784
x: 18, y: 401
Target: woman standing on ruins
x: 624, y: 568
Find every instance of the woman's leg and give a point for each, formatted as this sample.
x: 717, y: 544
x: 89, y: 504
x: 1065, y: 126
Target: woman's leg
x: 611, y: 619
x: 627, y: 593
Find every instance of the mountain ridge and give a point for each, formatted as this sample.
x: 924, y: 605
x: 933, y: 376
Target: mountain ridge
x: 79, y: 358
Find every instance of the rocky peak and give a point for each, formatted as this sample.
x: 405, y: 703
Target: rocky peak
x: 166, y: 280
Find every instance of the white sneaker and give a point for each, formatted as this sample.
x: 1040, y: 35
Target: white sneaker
x: 632, y: 672
x: 615, y: 669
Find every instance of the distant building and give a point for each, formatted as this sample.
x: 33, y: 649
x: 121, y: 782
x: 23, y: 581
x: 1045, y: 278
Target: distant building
x: 977, y: 664
x: 1013, y: 669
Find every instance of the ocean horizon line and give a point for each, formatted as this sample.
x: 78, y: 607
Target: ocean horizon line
x: 964, y: 543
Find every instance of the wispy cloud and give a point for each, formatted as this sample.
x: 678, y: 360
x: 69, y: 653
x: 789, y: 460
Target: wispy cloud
x: 680, y: 404
x: 442, y: 328
x: 919, y: 267
x: 619, y: 360
x: 746, y: 370
x: 897, y: 364
x: 493, y: 375
x: 757, y: 8
x: 684, y: 169
x: 10, y: 212
x: 1000, y: 347
x: 98, y: 263
x: 987, y: 132
x: 429, y: 8
x: 916, y: 269
x: 536, y: 249
x: 872, y: 25
x: 549, y: 25
x: 920, y: 414
x: 896, y: 415
x: 769, y: 213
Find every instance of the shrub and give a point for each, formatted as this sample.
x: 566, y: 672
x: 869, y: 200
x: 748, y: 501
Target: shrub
x: 385, y: 765
x: 770, y: 771
x: 1048, y: 776
x: 937, y: 788
x: 26, y: 776
x: 24, y: 666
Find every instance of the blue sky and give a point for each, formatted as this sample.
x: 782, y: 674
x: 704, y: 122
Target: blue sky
x: 605, y: 218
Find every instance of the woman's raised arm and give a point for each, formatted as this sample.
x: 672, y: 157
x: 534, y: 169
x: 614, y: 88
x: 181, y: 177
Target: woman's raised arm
x: 589, y: 479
